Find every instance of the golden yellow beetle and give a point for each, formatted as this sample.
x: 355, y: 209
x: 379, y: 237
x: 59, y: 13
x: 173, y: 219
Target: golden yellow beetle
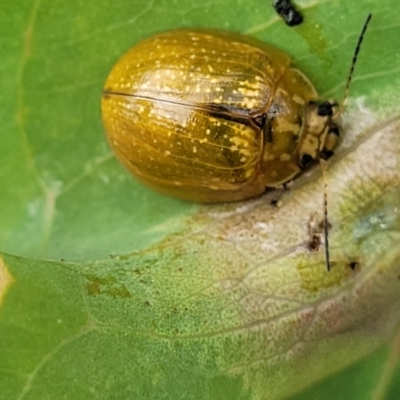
x: 213, y: 116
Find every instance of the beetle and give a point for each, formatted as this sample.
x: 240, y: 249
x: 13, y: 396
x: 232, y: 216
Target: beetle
x: 214, y: 116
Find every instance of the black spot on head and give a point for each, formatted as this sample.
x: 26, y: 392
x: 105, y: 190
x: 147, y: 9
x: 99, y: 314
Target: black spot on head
x: 325, y: 154
x: 325, y: 109
x: 306, y: 160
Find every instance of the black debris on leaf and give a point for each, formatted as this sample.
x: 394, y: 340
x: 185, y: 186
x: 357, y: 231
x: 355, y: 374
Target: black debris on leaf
x: 288, y: 13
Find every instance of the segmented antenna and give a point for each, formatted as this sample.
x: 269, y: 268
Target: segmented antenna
x: 323, y: 164
x: 325, y: 206
x: 353, y: 61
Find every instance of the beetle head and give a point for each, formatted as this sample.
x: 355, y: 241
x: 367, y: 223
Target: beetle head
x: 320, y: 133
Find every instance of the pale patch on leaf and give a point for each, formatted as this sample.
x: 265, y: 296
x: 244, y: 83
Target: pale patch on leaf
x: 5, y: 280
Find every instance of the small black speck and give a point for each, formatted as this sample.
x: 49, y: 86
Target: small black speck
x: 288, y: 13
x: 354, y: 265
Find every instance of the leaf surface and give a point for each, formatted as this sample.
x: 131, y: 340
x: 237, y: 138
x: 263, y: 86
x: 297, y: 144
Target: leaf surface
x: 195, y: 302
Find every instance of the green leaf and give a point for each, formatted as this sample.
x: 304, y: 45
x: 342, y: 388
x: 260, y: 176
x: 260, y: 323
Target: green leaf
x: 196, y: 301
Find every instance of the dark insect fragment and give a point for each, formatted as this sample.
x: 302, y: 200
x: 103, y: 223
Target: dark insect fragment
x: 288, y: 13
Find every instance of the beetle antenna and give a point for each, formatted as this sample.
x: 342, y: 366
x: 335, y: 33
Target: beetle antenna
x: 322, y: 162
x: 325, y: 220
x: 354, y: 60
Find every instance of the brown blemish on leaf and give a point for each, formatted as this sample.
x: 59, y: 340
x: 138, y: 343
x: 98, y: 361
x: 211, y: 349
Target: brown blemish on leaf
x: 93, y: 288
x: 5, y: 280
x: 108, y: 286
x: 315, y: 231
x: 314, y: 243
